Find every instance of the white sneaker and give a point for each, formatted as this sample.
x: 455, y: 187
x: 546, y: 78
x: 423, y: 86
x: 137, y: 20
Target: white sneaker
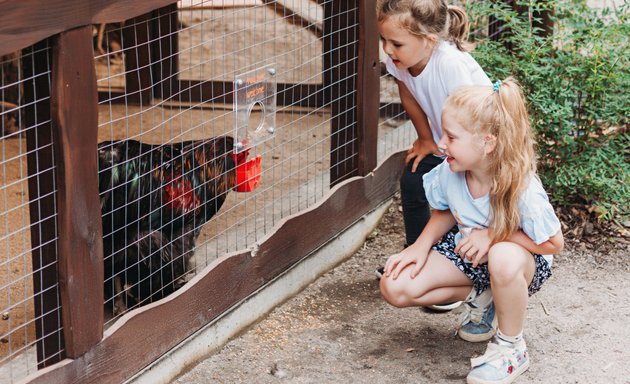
x: 502, y: 363
x: 444, y: 307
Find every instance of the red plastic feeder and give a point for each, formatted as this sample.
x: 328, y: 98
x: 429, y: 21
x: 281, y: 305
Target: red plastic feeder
x: 248, y: 175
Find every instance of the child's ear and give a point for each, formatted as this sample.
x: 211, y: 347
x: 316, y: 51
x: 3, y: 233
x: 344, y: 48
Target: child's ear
x: 432, y: 37
x: 489, y: 144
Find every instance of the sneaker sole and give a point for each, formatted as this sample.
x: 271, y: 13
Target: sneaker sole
x: 507, y: 380
x: 479, y: 337
x: 444, y: 307
x: 379, y: 273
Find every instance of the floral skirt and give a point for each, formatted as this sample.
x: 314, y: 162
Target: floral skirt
x: 480, y: 275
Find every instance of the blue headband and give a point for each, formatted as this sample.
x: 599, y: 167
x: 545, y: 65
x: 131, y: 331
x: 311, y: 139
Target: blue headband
x: 495, y: 86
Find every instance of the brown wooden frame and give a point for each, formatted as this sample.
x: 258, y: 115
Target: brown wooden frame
x: 147, y: 333
x: 41, y: 187
x: 75, y: 128
x: 69, y: 180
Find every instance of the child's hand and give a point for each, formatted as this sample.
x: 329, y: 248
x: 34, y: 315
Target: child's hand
x: 475, y: 246
x: 419, y: 150
x: 399, y: 261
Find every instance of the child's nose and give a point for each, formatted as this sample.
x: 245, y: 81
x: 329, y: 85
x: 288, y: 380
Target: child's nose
x: 386, y: 48
x: 442, y: 143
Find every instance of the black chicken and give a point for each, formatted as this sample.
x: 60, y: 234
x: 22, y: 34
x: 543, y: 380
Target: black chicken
x: 154, y: 201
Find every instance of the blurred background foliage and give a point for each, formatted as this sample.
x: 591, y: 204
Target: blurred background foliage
x: 576, y: 80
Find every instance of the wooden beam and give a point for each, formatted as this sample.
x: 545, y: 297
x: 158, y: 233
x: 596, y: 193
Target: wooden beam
x: 222, y: 92
x: 137, y: 50
x: 43, y: 215
x: 165, y: 51
x: 392, y: 110
x: 26, y: 22
x: 75, y: 127
x: 340, y: 45
x: 143, y: 335
x: 368, y: 88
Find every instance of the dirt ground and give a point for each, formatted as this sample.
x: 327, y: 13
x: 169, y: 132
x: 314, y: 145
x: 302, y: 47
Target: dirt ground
x: 340, y: 330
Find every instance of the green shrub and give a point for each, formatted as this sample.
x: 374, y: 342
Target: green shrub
x: 576, y: 81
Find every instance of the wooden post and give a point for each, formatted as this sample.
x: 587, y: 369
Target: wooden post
x: 545, y: 23
x: 340, y: 82
x: 75, y: 128
x: 165, y: 51
x: 41, y: 189
x: 368, y: 88
x: 137, y: 50
x: 496, y: 29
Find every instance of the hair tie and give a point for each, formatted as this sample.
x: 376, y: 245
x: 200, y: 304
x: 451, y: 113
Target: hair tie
x: 496, y: 85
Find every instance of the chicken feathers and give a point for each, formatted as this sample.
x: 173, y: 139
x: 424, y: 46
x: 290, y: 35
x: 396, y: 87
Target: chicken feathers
x: 154, y: 201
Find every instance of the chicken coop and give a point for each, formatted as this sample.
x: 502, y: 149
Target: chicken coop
x: 162, y: 161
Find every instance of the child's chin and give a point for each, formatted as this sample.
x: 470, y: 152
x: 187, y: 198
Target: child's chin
x: 455, y: 168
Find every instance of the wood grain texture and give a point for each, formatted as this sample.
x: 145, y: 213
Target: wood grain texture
x: 25, y: 22
x: 340, y: 45
x: 143, y: 335
x: 75, y: 128
x: 222, y: 92
x: 368, y: 87
x: 138, y: 74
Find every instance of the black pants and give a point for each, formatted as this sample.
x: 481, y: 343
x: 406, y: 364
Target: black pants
x: 416, y: 210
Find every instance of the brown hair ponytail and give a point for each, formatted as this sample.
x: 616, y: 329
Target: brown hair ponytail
x: 428, y: 17
x: 458, y: 28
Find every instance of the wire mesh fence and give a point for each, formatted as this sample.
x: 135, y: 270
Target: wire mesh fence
x: 166, y: 154
x: 170, y: 150
x: 208, y: 44
x: 28, y: 300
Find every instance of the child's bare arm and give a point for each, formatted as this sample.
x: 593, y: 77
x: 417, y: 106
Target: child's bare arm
x: 439, y: 223
x: 553, y: 246
x: 424, y: 145
x: 475, y: 247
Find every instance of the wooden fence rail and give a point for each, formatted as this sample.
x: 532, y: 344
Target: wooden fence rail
x: 68, y: 252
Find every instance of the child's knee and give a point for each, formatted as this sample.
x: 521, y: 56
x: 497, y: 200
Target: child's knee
x: 504, y: 262
x: 394, y: 292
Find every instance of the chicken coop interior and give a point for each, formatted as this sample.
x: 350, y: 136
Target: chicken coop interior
x: 214, y: 123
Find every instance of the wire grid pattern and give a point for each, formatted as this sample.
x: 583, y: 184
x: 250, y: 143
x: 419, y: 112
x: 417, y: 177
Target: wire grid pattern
x: 346, y: 138
x: 219, y: 41
x: 395, y: 132
x: 18, y: 335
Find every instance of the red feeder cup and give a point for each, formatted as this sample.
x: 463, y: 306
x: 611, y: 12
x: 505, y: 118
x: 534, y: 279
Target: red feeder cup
x: 248, y: 175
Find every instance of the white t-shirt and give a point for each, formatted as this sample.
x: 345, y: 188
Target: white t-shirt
x: 446, y: 189
x: 447, y: 69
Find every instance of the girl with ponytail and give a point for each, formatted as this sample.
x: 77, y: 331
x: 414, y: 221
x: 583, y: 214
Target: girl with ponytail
x: 508, y: 230
x: 426, y: 44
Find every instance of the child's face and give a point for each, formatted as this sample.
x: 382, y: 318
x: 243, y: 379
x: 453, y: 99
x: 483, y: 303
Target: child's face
x: 406, y: 50
x: 465, y: 151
